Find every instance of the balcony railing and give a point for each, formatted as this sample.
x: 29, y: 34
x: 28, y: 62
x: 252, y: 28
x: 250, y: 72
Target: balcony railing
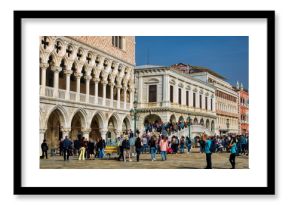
x: 82, y: 97
x: 92, y: 99
x: 49, y: 91
x: 61, y: 94
x: 175, y: 105
x: 72, y: 96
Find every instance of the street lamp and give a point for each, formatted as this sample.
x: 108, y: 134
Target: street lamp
x: 133, y: 113
x: 189, y: 119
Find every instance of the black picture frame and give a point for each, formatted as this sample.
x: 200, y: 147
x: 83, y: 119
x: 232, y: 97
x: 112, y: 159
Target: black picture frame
x: 268, y: 190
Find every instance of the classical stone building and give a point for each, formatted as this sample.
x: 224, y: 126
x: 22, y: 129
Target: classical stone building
x: 243, y: 104
x: 227, y: 109
x: 169, y: 95
x: 86, y: 86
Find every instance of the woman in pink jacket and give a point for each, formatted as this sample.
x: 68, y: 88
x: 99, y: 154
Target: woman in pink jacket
x: 163, y: 147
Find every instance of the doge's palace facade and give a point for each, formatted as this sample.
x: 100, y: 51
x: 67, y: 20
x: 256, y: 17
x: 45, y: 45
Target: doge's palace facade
x: 86, y: 86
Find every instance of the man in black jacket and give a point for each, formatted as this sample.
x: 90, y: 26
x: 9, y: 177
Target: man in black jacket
x: 44, y: 148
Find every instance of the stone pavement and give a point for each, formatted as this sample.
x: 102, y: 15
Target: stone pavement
x: 174, y: 161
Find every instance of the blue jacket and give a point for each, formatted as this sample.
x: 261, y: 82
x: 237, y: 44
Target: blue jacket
x: 66, y: 144
x: 207, y: 146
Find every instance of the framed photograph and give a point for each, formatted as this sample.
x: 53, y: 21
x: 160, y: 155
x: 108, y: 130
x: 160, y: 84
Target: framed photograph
x: 176, y: 102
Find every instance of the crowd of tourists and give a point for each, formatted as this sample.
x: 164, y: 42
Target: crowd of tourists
x: 154, y: 141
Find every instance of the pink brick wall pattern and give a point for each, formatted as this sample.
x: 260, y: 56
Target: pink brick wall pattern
x: 104, y: 43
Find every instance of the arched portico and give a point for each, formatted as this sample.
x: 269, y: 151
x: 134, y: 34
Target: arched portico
x: 172, y: 118
x: 53, y: 134
x: 78, y: 124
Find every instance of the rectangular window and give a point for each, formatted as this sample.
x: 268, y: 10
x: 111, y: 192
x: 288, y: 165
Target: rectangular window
x: 117, y: 41
x: 194, y: 100
x: 206, y: 103
x: 200, y: 101
x: 187, y: 102
x: 179, y: 96
x: 152, y: 93
x: 171, y: 93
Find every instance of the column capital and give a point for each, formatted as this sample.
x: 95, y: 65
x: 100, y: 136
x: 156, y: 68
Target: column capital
x: 44, y: 65
x: 65, y: 129
x: 68, y: 72
x: 86, y: 131
x: 104, y: 82
x: 56, y: 69
x: 118, y: 86
x: 96, y: 80
x: 111, y: 84
x: 125, y: 88
x: 88, y: 77
x: 78, y: 75
x: 103, y: 131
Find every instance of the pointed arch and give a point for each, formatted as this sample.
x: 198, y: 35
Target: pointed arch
x: 61, y: 113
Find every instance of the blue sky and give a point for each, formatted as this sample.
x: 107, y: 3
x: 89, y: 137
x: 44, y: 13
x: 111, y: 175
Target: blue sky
x: 226, y: 55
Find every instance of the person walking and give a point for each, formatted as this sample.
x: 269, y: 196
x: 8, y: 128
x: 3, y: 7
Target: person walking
x: 126, y: 148
x: 138, y: 146
x: 188, y: 144
x: 101, y: 145
x: 207, y: 150
x: 132, y: 140
x: 233, y: 151
x: 82, y: 150
x: 182, y: 142
x: 163, y: 148
x: 44, y: 148
x: 66, y: 148
x: 152, y: 147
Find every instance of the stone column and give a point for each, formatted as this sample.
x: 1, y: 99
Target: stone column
x: 213, y: 104
x: 43, y: 67
x: 183, y: 96
x: 197, y: 99
x: 67, y: 74
x: 140, y: 89
x: 88, y: 78
x: 118, y: 96
x: 104, y: 92
x: 104, y: 133
x: 190, y: 98
x: 78, y: 76
x: 86, y: 134
x: 41, y: 138
x: 125, y: 97
x: 56, y: 71
x: 175, y: 93
x: 131, y: 97
x: 65, y: 132
x: 112, y: 94
x: 165, y: 91
x: 96, y: 80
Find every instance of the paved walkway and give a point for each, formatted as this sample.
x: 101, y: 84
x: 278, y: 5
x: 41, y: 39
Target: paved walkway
x: 174, y: 161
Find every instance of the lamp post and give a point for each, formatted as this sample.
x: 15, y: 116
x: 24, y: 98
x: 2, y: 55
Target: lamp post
x: 133, y: 113
x: 189, y: 119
